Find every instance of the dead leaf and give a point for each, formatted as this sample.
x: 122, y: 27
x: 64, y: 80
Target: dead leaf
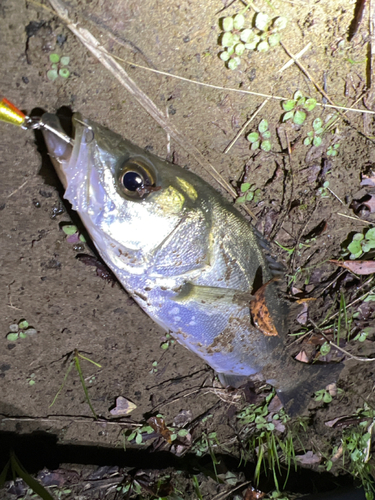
x: 260, y: 313
x: 123, y: 407
x: 302, y: 357
x: 302, y: 315
x: 159, y: 426
x: 362, y: 267
x: 332, y: 389
x: 308, y: 458
x: 253, y: 494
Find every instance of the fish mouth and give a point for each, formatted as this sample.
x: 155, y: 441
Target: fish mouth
x: 59, y: 144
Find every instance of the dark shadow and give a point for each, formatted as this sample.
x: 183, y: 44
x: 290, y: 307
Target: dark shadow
x: 41, y: 449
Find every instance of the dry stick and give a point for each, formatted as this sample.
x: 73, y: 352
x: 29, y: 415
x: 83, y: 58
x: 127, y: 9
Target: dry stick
x: 293, y: 258
x: 93, y: 45
x: 231, y: 144
x: 297, y: 56
x: 366, y: 223
x: 239, y: 91
x: 319, y: 88
x: 357, y: 358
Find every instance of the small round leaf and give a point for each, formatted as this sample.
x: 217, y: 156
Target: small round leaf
x: 239, y: 49
x: 289, y: 105
x: 227, y: 40
x: 298, y: 95
x: 266, y: 134
x: 288, y: 115
x: 232, y: 64
x: 261, y: 21
x: 263, y: 126
x: 65, y: 60
x: 370, y: 235
x: 52, y: 75
x: 280, y: 23
x: 263, y: 47
x: 246, y: 35
x: 274, y: 39
x: 266, y: 146
x: 253, y: 137
x: 238, y: 22
x: 255, y: 145
x: 228, y: 23
x: 355, y: 247
x: 245, y: 187
x: 12, y: 337
x: 54, y: 58
x: 224, y: 56
x: 64, y: 72
x: 310, y: 104
x: 307, y: 141
x: 317, y: 124
x: 299, y: 117
x: 317, y: 141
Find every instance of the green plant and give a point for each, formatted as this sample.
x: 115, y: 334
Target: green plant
x: 249, y: 192
x: 236, y: 39
x: 154, y: 368
x: 168, y: 342
x: 313, y: 137
x: 58, y: 67
x: 333, y: 150
x: 204, y: 444
x: 298, y: 108
x: 361, y: 243
x: 323, y: 191
x: 323, y: 395
x: 261, y: 138
x: 138, y: 434
x: 75, y: 361
x: 21, y: 330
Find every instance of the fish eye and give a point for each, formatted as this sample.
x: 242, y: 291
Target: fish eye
x: 136, y: 179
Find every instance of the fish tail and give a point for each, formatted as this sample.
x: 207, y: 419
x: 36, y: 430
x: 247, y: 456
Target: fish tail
x: 297, y: 398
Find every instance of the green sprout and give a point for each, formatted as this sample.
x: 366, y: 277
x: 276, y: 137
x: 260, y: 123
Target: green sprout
x: 58, y: 67
x: 323, y: 191
x: 154, y: 368
x: 249, y: 193
x: 362, y: 336
x: 325, y: 349
x: 313, y: 137
x: 323, y: 395
x: 333, y: 150
x: 169, y: 341
x: 75, y: 362
x: 138, y: 434
x: 298, y: 108
x: 361, y: 243
x: 262, y: 138
x: 236, y: 38
x: 20, y: 330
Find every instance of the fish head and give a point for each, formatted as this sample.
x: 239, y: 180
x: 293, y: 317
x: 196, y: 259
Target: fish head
x: 129, y: 200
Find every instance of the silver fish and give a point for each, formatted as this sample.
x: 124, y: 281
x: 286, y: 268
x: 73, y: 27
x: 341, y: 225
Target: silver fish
x: 186, y: 256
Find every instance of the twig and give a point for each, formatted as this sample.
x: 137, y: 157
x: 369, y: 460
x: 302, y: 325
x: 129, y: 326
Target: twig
x: 354, y: 218
x: 19, y: 187
x: 222, y: 496
x: 357, y: 358
x: 231, y: 144
x: 335, y: 195
x: 297, y: 56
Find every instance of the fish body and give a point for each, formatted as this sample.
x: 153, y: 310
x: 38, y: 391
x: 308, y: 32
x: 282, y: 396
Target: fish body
x: 186, y: 255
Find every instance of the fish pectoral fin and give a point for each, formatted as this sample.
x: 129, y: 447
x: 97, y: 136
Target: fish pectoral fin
x: 212, y: 295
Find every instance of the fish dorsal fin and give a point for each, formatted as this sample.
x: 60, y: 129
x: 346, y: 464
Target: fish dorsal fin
x: 211, y: 295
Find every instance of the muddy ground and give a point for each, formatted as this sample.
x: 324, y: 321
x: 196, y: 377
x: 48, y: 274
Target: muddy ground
x: 71, y: 308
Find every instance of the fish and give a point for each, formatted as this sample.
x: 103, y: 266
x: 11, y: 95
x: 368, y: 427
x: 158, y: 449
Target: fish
x: 186, y: 255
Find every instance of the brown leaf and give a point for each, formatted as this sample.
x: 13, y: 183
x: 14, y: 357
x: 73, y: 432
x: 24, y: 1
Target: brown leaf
x: 260, y: 313
x: 302, y: 315
x: 357, y: 266
x: 253, y: 494
x: 302, y: 357
x: 159, y: 426
x: 123, y: 407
